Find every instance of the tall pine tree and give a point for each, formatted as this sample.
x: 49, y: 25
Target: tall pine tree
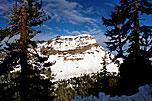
x: 136, y: 69
x: 22, y: 18
x: 134, y: 9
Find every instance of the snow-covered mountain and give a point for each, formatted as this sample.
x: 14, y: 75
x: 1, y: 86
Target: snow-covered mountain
x: 75, y: 55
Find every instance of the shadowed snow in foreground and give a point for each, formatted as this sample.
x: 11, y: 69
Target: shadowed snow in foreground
x: 144, y: 94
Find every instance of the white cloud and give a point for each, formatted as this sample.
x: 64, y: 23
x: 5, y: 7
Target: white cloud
x: 58, y: 29
x: 45, y: 37
x: 5, y: 5
x: 101, y: 39
x: 72, y: 12
x: 76, y: 33
x: 47, y: 27
x: 91, y: 31
x: 89, y: 10
x: 110, y: 4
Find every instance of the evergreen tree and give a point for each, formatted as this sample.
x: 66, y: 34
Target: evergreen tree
x: 133, y: 10
x: 125, y: 26
x: 136, y: 69
x: 39, y: 86
x: 117, y: 32
x: 28, y: 82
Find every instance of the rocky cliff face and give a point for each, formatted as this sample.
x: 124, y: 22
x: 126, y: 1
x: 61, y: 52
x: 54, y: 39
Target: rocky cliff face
x: 75, y: 55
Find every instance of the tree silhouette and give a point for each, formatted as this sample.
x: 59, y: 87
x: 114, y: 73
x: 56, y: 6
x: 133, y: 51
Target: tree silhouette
x: 28, y: 83
x: 117, y: 32
x: 136, y: 69
x: 133, y: 10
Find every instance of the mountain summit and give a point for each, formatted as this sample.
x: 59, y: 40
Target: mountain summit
x: 75, y: 55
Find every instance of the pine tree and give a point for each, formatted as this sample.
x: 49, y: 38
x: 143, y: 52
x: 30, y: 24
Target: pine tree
x: 39, y: 87
x: 133, y: 10
x: 136, y: 69
x: 21, y: 20
x: 117, y: 32
x: 139, y: 37
x: 125, y: 26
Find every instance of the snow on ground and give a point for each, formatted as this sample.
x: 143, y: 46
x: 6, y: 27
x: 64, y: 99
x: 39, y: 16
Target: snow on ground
x: 144, y: 94
x: 63, y: 69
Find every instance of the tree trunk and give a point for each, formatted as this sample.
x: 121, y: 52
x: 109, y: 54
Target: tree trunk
x: 23, y: 58
x: 136, y: 32
x: 120, y: 43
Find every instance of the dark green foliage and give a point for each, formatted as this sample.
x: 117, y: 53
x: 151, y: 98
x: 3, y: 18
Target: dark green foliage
x: 27, y: 83
x: 136, y: 69
x: 134, y: 75
x: 35, y: 17
x: 39, y: 86
x: 85, y: 86
x: 117, y: 32
x: 127, y: 29
x: 139, y: 34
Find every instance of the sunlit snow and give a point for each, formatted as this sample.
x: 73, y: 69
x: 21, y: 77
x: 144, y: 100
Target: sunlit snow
x: 88, y: 59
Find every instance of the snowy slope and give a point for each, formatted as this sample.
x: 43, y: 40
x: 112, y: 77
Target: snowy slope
x: 144, y: 94
x: 75, y: 55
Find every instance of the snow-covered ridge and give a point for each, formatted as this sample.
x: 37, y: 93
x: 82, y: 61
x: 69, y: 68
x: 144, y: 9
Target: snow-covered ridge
x: 75, y: 55
x: 64, y: 43
x: 68, y: 45
x: 144, y: 94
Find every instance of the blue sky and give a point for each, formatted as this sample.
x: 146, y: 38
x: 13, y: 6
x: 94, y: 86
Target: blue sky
x: 72, y: 17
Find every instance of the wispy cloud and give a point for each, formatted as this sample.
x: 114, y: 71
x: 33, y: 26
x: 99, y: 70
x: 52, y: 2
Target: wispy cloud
x: 110, y: 4
x: 47, y: 27
x: 44, y: 37
x: 5, y: 5
x: 89, y: 10
x: 58, y: 29
x: 72, y: 12
x: 90, y: 31
x: 101, y: 39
